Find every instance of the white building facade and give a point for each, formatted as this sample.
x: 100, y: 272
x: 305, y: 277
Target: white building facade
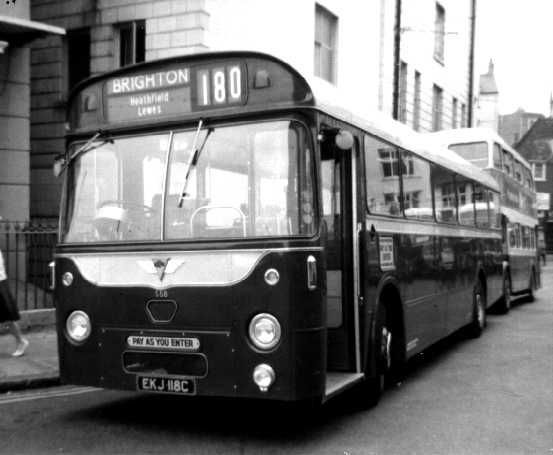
x: 350, y: 44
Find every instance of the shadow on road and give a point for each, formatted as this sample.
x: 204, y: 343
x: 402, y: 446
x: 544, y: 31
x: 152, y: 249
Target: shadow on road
x: 253, y: 419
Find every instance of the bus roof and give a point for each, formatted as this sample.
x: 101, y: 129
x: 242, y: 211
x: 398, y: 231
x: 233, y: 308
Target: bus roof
x: 288, y: 89
x: 468, y: 135
x: 329, y: 100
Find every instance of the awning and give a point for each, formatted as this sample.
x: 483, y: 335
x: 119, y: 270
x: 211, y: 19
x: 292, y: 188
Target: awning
x: 18, y: 31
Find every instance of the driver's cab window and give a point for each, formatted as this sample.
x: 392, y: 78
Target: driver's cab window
x: 114, y: 188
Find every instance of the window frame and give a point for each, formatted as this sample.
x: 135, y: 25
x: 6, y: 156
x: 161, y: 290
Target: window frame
x: 437, y: 107
x: 454, y: 108
x: 322, y: 13
x: 71, y: 71
x: 543, y: 176
x: 402, y: 98
x: 133, y: 26
x: 439, y: 33
x: 417, y: 101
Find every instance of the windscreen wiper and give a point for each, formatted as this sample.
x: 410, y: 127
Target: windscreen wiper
x: 193, y: 159
x: 86, y: 147
x: 90, y: 145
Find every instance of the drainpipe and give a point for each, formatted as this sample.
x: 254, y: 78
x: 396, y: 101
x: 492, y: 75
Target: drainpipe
x: 471, y: 62
x: 397, y: 49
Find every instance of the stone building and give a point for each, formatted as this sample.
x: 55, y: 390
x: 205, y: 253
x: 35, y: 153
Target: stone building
x: 537, y: 147
x: 16, y: 32
x: 512, y: 127
x: 414, y: 58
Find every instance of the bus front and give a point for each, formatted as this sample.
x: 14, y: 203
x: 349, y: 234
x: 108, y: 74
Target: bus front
x: 189, y: 256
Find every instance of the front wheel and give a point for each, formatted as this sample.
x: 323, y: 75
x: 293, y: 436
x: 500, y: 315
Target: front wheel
x: 478, y: 323
x: 373, y: 387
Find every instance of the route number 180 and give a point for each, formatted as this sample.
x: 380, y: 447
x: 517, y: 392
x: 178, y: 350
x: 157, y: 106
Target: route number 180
x: 220, y: 85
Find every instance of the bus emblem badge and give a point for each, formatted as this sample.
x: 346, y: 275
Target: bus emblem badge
x: 161, y: 267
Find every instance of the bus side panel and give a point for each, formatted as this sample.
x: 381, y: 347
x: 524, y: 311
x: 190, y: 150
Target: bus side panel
x: 423, y: 287
x: 520, y: 264
x: 493, y: 269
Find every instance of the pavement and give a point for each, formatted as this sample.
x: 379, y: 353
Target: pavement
x: 39, y: 366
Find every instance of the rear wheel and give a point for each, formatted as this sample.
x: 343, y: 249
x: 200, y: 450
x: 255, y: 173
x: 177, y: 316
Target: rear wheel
x: 478, y: 323
x: 505, y: 301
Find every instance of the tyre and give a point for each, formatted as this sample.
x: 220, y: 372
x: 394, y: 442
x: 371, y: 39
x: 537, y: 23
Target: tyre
x: 478, y: 323
x: 505, y: 301
x: 373, y: 387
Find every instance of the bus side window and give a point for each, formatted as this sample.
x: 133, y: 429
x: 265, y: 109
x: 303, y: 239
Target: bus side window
x: 443, y: 184
x: 465, y: 198
x: 518, y: 171
x: 482, y: 207
x: 417, y: 194
x: 497, y: 156
x: 527, y: 237
x: 382, y: 177
x: 507, y: 162
x: 495, y: 215
x: 512, y: 235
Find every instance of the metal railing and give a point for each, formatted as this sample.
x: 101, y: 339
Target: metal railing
x: 28, y: 248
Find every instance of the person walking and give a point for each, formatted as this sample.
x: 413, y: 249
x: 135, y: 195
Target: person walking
x: 9, y: 312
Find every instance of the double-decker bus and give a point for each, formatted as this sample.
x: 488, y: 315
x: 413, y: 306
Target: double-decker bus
x: 484, y: 148
x: 229, y: 229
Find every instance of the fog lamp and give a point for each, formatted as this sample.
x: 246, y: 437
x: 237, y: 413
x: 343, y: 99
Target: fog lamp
x: 67, y: 279
x: 272, y: 277
x: 263, y: 376
x: 264, y: 331
x: 78, y: 326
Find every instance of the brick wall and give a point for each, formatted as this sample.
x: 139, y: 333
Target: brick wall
x: 173, y: 27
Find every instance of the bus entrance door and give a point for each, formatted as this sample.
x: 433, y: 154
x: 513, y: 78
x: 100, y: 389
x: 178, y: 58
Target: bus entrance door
x: 337, y: 215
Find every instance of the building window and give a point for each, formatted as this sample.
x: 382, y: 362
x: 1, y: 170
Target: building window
x: 78, y: 52
x: 388, y: 158
x: 538, y: 171
x: 402, y: 100
x: 417, y: 102
x: 132, y: 42
x: 437, y: 106
x: 326, y: 25
x: 411, y: 199
x: 439, y: 33
x: 454, y: 113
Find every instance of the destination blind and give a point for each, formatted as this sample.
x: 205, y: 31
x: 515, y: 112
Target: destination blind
x: 173, y: 91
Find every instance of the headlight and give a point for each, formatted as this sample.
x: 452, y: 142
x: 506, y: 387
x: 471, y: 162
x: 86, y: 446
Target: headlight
x: 264, y: 331
x: 78, y: 326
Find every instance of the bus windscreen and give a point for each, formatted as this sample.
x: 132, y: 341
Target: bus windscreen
x: 475, y: 152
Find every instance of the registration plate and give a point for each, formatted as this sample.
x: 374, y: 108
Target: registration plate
x: 165, y: 385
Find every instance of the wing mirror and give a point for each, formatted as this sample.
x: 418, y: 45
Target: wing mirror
x: 59, y: 165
